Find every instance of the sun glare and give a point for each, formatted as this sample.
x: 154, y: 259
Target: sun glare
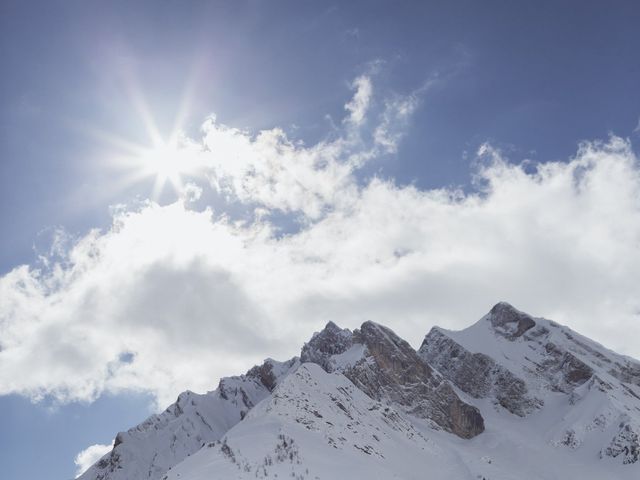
x: 167, y: 163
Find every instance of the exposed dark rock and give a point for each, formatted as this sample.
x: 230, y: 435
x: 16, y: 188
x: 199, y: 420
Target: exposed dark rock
x: 572, y: 370
x: 323, y: 345
x: 398, y: 361
x: 510, y: 322
x: 264, y: 374
x: 628, y: 372
x: 119, y: 439
x: 477, y: 374
x: 466, y: 421
x: 626, y: 444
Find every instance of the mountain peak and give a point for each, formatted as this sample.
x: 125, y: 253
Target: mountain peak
x: 324, y: 345
x: 331, y: 326
x: 539, y: 361
x: 371, y: 329
x: 508, y: 321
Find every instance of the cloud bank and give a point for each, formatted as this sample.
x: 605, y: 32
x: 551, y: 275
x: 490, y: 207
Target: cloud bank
x: 172, y: 297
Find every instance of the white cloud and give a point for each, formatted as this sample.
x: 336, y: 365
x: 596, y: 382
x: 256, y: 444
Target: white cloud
x: 359, y: 104
x: 271, y: 170
x: 171, y: 297
x: 89, y: 456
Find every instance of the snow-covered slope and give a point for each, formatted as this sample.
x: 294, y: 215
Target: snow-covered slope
x: 320, y: 425
x: 151, y: 448
x: 511, y: 397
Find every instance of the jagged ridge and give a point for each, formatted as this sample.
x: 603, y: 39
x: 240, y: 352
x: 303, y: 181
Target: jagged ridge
x: 580, y: 396
x: 387, y: 368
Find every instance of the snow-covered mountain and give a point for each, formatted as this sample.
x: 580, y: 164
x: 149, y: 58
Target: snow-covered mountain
x: 525, y: 364
x: 511, y: 397
x: 162, y: 441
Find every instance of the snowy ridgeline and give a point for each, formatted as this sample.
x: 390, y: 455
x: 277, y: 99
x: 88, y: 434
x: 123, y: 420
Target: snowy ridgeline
x: 511, y: 397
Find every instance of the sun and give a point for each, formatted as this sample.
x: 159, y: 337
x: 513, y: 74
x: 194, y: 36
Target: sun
x: 167, y: 163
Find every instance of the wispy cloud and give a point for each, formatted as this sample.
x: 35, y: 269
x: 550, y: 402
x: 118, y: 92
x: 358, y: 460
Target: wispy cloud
x: 394, y: 120
x: 359, y: 104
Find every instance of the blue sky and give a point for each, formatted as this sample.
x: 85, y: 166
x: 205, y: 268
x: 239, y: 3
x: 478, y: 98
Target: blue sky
x: 381, y: 106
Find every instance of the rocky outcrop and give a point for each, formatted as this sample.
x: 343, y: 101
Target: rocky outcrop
x: 324, y: 346
x: 477, y: 374
x: 628, y: 372
x: 564, y: 370
x: 389, y: 369
x: 510, y: 322
x: 625, y: 444
x: 271, y: 372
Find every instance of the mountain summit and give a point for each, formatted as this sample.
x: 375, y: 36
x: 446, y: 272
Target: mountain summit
x: 512, y: 396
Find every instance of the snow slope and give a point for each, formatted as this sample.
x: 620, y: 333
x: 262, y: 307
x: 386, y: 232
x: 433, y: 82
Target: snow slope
x: 151, y: 448
x: 320, y: 425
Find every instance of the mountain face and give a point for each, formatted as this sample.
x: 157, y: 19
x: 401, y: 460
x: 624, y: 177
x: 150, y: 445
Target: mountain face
x: 477, y: 373
x: 511, y: 396
x: 543, y: 363
x: 387, y: 368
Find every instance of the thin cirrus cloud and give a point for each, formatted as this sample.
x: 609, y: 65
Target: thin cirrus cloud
x: 172, y: 297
